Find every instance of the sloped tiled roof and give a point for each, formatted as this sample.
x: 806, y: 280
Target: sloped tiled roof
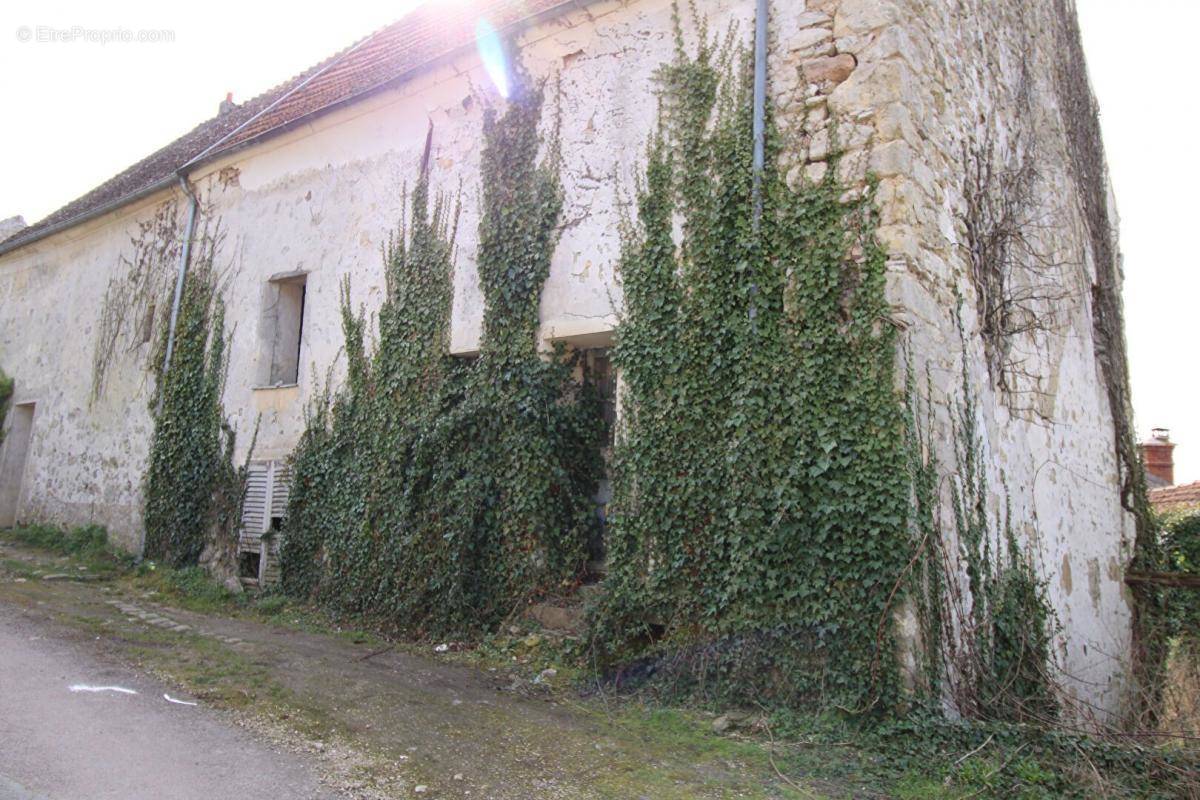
x: 1170, y: 498
x: 427, y: 33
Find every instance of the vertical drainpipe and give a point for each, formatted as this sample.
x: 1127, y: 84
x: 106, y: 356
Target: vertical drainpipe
x: 761, y: 15
x: 184, y: 257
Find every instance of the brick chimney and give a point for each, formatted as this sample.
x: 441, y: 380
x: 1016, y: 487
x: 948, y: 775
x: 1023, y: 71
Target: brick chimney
x: 227, y: 105
x: 1156, y: 453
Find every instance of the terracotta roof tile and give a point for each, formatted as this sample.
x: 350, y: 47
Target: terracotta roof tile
x: 1175, y: 497
x: 427, y: 33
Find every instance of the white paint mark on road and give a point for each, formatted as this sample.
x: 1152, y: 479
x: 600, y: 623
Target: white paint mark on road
x: 170, y: 699
x: 83, y: 687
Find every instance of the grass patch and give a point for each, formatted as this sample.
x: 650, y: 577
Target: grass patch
x: 272, y: 605
x: 86, y: 544
x: 84, y: 541
x: 18, y: 569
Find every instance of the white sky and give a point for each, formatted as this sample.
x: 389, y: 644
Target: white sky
x: 1143, y: 66
x: 78, y: 112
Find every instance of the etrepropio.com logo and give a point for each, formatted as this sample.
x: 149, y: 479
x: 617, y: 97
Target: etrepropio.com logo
x: 50, y: 34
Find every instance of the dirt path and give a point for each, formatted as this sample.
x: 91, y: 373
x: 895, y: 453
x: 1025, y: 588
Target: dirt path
x: 396, y: 724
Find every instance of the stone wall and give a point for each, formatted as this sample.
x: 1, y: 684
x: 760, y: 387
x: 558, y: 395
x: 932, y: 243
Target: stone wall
x: 901, y: 86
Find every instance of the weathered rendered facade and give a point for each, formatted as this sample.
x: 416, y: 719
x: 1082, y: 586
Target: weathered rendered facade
x: 919, y: 94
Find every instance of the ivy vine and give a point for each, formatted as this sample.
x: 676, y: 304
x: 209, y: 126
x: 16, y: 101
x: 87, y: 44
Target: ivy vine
x: 985, y: 621
x: 434, y: 494
x: 758, y: 527
x: 6, y: 393
x: 192, y: 492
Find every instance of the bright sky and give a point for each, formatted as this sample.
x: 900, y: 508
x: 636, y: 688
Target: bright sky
x: 79, y: 111
x: 1144, y: 73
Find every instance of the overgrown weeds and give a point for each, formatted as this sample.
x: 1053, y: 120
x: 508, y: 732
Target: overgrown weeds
x: 926, y: 755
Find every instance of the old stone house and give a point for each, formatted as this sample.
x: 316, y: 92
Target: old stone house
x: 966, y: 113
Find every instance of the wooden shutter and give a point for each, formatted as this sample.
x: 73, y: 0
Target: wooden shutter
x: 267, y: 487
x: 255, y: 506
x: 281, y: 482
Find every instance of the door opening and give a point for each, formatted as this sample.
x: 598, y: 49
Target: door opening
x: 16, y: 453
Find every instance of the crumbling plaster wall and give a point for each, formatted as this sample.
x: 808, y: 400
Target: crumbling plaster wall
x: 323, y: 199
x: 86, y: 459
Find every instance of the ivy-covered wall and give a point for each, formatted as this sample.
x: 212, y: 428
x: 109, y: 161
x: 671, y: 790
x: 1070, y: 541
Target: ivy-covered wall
x: 192, y: 491
x: 906, y: 84
x: 758, y: 520
x: 6, y: 391
x: 436, y: 495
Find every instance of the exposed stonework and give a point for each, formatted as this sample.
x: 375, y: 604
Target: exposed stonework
x: 898, y: 87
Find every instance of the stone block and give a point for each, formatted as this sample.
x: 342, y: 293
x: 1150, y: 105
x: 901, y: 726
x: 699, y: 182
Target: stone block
x: 873, y: 85
x: 892, y: 158
x: 811, y: 18
x: 863, y: 16
x: 818, y: 146
x: 829, y: 69
x: 809, y: 37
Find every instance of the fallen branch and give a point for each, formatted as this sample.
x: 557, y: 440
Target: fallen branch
x: 993, y: 774
x: 973, y: 752
x: 774, y: 766
x: 378, y: 652
x: 1178, y: 580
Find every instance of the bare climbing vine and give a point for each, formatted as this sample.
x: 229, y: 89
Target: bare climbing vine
x: 1019, y: 285
x: 137, y: 299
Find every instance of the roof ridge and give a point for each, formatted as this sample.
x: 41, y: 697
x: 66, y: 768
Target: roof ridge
x: 421, y: 36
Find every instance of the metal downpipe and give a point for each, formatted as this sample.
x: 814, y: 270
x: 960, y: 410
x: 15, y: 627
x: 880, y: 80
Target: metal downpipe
x: 761, y: 15
x: 760, y: 103
x: 184, y: 257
